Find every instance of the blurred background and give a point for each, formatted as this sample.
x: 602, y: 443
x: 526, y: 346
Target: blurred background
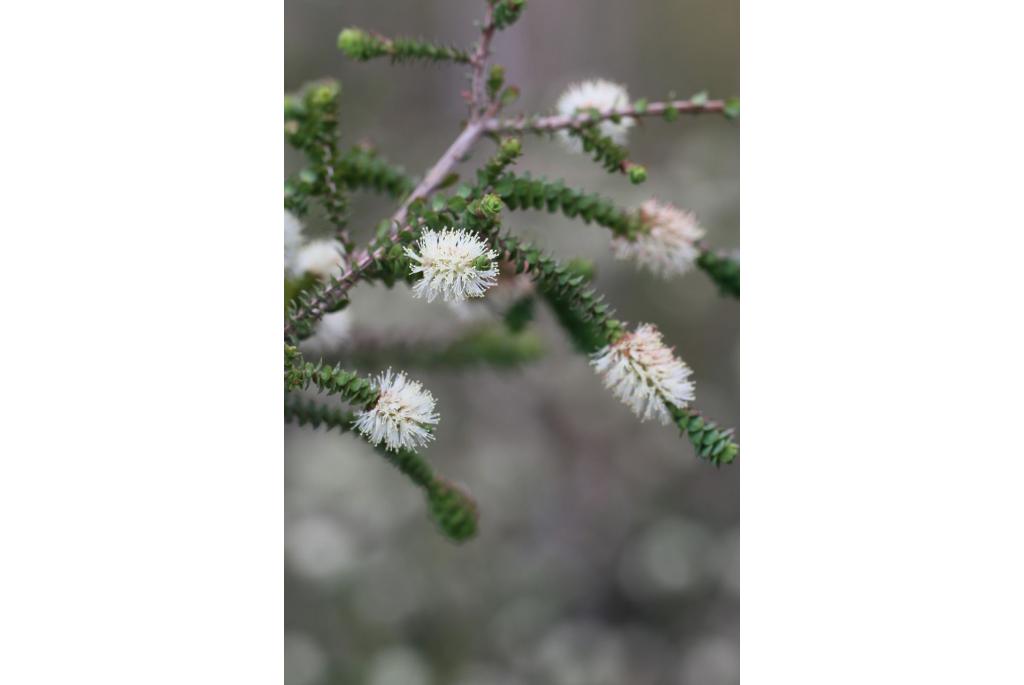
x: 607, y: 553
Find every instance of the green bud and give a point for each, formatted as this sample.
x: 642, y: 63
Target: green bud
x: 491, y: 204
x: 637, y: 173
x: 511, y: 147
x: 732, y: 108
x: 495, y: 79
x: 307, y: 180
x: 354, y: 42
x: 323, y: 95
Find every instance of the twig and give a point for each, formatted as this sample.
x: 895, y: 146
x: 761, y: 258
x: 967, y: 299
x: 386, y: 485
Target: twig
x: 479, y: 62
x: 556, y: 122
x: 335, y: 293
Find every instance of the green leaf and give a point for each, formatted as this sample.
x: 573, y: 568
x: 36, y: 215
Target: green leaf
x: 448, y: 181
x: 509, y: 95
x: 732, y: 108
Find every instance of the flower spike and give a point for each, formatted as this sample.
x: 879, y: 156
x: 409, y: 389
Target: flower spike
x: 645, y: 374
x: 666, y: 242
x: 455, y: 264
x: 402, y: 416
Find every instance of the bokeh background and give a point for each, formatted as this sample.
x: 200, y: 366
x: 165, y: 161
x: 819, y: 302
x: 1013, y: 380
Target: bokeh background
x: 607, y: 553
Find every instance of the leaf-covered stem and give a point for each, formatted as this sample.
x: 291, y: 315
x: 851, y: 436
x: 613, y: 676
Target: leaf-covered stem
x: 710, y: 442
x: 722, y: 269
x: 362, y: 168
x: 562, y: 283
x: 332, y: 295
x: 330, y: 380
x: 728, y: 108
x: 453, y: 510
x: 363, y: 45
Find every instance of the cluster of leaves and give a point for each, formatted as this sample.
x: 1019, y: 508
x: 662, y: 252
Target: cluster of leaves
x: 507, y: 12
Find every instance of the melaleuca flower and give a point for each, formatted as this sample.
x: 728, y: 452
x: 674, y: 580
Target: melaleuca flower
x: 330, y: 332
x: 667, y: 240
x: 403, y: 415
x: 322, y: 258
x: 292, y: 240
x: 600, y: 95
x: 645, y: 374
x: 455, y: 265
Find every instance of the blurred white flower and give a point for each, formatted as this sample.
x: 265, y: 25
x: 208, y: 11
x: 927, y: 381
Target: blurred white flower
x: 292, y: 240
x: 667, y: 241
x: 329, y: 334
x: 322, y: 258
x: 455, y: 265
x: 600, y: 95
x: 319, y: 549
x: 645, y: 374
x: 402, y: 416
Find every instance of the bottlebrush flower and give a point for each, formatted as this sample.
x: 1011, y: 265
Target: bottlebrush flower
x: 455, y: 265
x: 667, y: 241
x: 600, y: 95
x: 322, y: 258
x: 645, y: 374
x: 292, y: 239
x: 403, y: 415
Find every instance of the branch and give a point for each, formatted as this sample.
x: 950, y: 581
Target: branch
x: 728, y: 108
x: 525, y: 192
x: 362, y: 46
x: 592, y: 320
x: 453, y: 510
x: 333, y: 294
x: 479, y: 62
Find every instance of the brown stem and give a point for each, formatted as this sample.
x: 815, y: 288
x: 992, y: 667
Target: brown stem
x: 479, y: 62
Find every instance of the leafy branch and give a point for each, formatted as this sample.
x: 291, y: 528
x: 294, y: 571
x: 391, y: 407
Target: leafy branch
x: 453, y: 510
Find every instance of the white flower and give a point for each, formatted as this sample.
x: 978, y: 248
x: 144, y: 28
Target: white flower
x: 645, y: 374
x: 329, y: 333
x: 600, y: 95
x: 402, y: 416
x: 447, y: 261
x: 322, y: 258
x: 667, y: 242
x: 292, y: 240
